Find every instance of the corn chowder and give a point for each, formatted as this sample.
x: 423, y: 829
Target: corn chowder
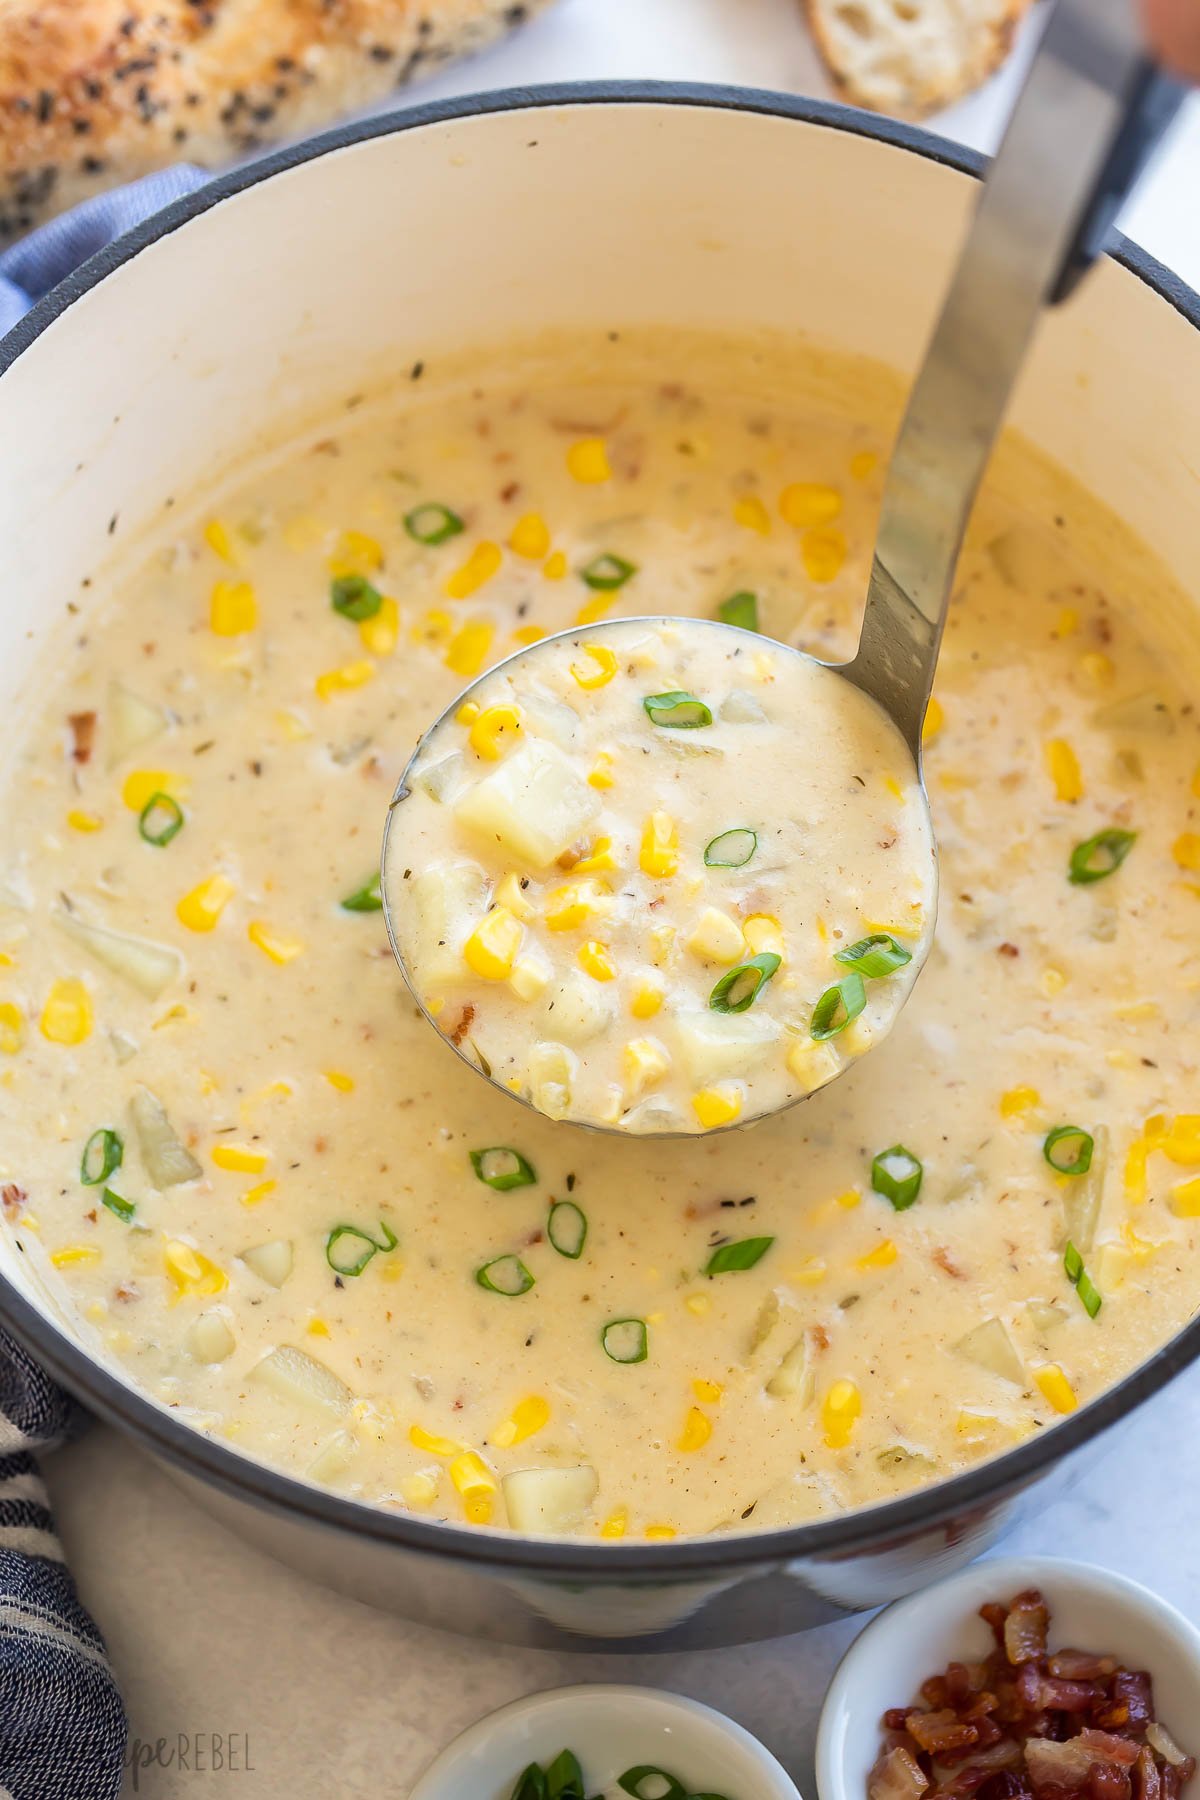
x: 230, y: 1140
x: 606, y: 852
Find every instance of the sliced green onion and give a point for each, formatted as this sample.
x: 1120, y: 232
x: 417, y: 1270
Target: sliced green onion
x: 626, y: 1340
x: 160, y: 820
x: 432, y: 523
x: 505, y: 1275
x: 677, y: 710
x: 740, y: 609
x: 874, y: 956
x: 124, y: 1209
x: 103, y: 1152
x: 354, y: 598
x: 646, y: 1782
x: 897, y: 1175
x: 367, y: 898
x: 731, y: 849
x: 353, y: 1258
x: 838, y: 1007
x: 564, y: 1777
x: 739, y: 988
x: 606, y: 572
x: 502, y: 1168
x: 730, y: 1259
x: 1081, y: 1281
x: 531, y: 1784
x: 567, y: 1228
x: 1100, y: 855
x: 1068, y: 1149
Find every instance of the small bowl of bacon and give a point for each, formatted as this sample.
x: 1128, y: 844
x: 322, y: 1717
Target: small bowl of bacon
x: 1021, y: 1679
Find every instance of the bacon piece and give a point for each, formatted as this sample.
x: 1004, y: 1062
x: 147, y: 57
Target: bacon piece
x: 941, y: 1733
x: 897, y: 1776
x: 1025, y: 1627
x: 1081, y: 1665
x: 12, y: 1198
x: 83, y: 735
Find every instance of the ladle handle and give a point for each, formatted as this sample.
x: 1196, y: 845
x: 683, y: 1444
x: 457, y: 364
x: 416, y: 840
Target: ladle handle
x: 1091, y: 110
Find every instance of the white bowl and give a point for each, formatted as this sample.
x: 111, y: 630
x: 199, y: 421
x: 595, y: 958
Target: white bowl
x: 1090, y: 1609
x: 610, y: 1729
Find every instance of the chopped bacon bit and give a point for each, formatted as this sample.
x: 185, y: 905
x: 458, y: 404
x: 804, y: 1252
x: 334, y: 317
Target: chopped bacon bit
x: 944, y: 1260
x: 1028, y: 1725
x: 1007, y: 950
x: 465, y: 1021
x: 83, y: 735
x: 12, y: 1198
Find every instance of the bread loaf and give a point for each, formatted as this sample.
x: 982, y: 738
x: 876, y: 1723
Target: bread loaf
x: 910, y: 57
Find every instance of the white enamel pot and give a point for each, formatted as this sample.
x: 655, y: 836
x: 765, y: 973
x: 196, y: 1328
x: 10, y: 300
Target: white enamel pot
x: 309, y: 275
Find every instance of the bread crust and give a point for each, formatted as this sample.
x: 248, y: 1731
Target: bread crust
x: 97, y: 92
x: 914, y: 59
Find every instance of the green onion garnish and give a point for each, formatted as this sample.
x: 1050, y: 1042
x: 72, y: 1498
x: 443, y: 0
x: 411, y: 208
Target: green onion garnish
x: 739, y: 988
x: 501, y: 1168
x: 354, y: 597
x: 505, y: 1275
x: 1081, y: 1281
x: 564, y: 1777
x: 353, y: 1258
x: 567, y: 1228
x: 838, y: 1007
x: 897, y: 1175
x: 731, y: 849
x: 367, y: 898
x: 874, y: 956
x: 160, y: 820
x: 1100, y: 855
x: 646, y: 1782
x: 102, y: 1153
x: 606, y: 572
x: 432, y: 523
x: 626, y: 1340
x: 740, y: 609
x: 531, y: 1784
x: 678, y: 711
x: 124, y: 1209
x: 1068, y: 1149
x: 730, y: 1259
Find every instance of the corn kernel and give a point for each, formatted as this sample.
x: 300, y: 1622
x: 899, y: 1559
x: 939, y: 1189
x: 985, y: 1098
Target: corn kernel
x: 493, y: 732
x: 433, y: 627
x: 1018, y: 1100
x: 752, y: 514
x: 648, y: 997
x: 261, y: 1191
x: 601, y: 775
x: 200, y: 909
x: 338, y: 1079
x: 645, y: 1061
x: 602, y: 668
x: 355, y: 553
x: 659, y: 854
x: 381, y: 633
x: 217, y: 537
x: 1053, y: 981
x: 302, y: 532
x: 274, y: 944
x: 594, y: 609
x: 716, y: 1106
x: 716, y: 937
x: 1097, y: 666
x: 710, y: 1392
x: 1185, y: 1199
x: 491, y: 949
x: 291, y: 727
x: 1056, y: 1388
x: 1196, y: 781
x: 12, y: 1028
x: 587, y: 461
x: 808, y: 503
x: 882, y: 1257
x: 232, y: 609
x: 810, y: 1273
x: 418, y: 1491
x: 429, y: 1441
x: 697, y: 1429
x: 1135, y: 1172
x: 1063, y: 766
x: 572, y: 905
x: 763, y: 934
x: 662, y: 944
x: 935, y: 718
x: 1181, y: 1141
x: 511, y: 895
x: 528, y: 1417
x: 555, y: 566
x: 141, y: 785
x: 1186, y: 850
x: 863, y: 464
x: 616, y: 1524
x: 530, y: 537
x: 241, y: 1158
x: 660, y: 1533
x: 192, y: 1271
x: 595, y: 960
x: 476, y: 1483
x: 483, y: 562
x: 1067, y: 623
x: 79, y: 820
x: 698, y: 1305
x: 317, y: 1327
x: 840, y: 1413
x: 469, y: 647
x: 850, y: 1199
x: 344, y: 680
x: 823, y: 551
x: 67, y: 1015
x: 529, y: 634
x: 599, y: 858
x: 74, y: 1256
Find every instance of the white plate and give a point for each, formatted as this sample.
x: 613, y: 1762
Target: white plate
x: 610, y: 1729
x: 1090, y: 1609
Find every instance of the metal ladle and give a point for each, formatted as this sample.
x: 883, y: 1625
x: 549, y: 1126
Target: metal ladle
x: 1090, y: 112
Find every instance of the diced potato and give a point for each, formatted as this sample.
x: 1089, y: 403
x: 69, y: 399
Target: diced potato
x: 167, y: 1160
x: 533, y: 805
x: 548, y: 1502
x: 552, y: 1071
x: 334, y: 1457
x: 991, y: 1348
x: 794, y: 1379
x: 652, y: 1114
x: 294, y: 1376
x: 129, y: 722
x: 441, y: 780
x: 272, y: 1262
x: 718, y: 1044
x: 578, y: 1008
x: 769, y: 1314
x: 1083, y: 1194
x: 741, y: 708
x: 149, y: 967
x: 210, y: 1340
x: 716, y: 938
x: 551, y: 718
x: 1145, y: 713
x: 446, y: 901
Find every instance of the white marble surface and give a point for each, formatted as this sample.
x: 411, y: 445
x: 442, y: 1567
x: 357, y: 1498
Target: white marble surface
x: 336, y: 1701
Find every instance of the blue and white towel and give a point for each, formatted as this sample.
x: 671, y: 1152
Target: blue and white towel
x: 62, y: 1724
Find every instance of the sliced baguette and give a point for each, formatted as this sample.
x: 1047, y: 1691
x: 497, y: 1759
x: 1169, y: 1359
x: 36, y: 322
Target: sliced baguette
x: 911, y: 57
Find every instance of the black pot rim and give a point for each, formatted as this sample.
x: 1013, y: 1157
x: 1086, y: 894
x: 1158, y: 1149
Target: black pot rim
x: 942, y: 1505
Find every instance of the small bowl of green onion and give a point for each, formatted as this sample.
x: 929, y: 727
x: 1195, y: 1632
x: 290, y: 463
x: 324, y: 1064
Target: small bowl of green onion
x: 605, y: 1743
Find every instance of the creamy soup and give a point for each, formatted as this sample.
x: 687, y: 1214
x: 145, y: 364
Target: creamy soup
x: 633, y: 870
x: 232, y: 1141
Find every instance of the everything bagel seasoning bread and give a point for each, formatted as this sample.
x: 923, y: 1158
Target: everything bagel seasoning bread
x: 94, y: 93
x: 910, y: 57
